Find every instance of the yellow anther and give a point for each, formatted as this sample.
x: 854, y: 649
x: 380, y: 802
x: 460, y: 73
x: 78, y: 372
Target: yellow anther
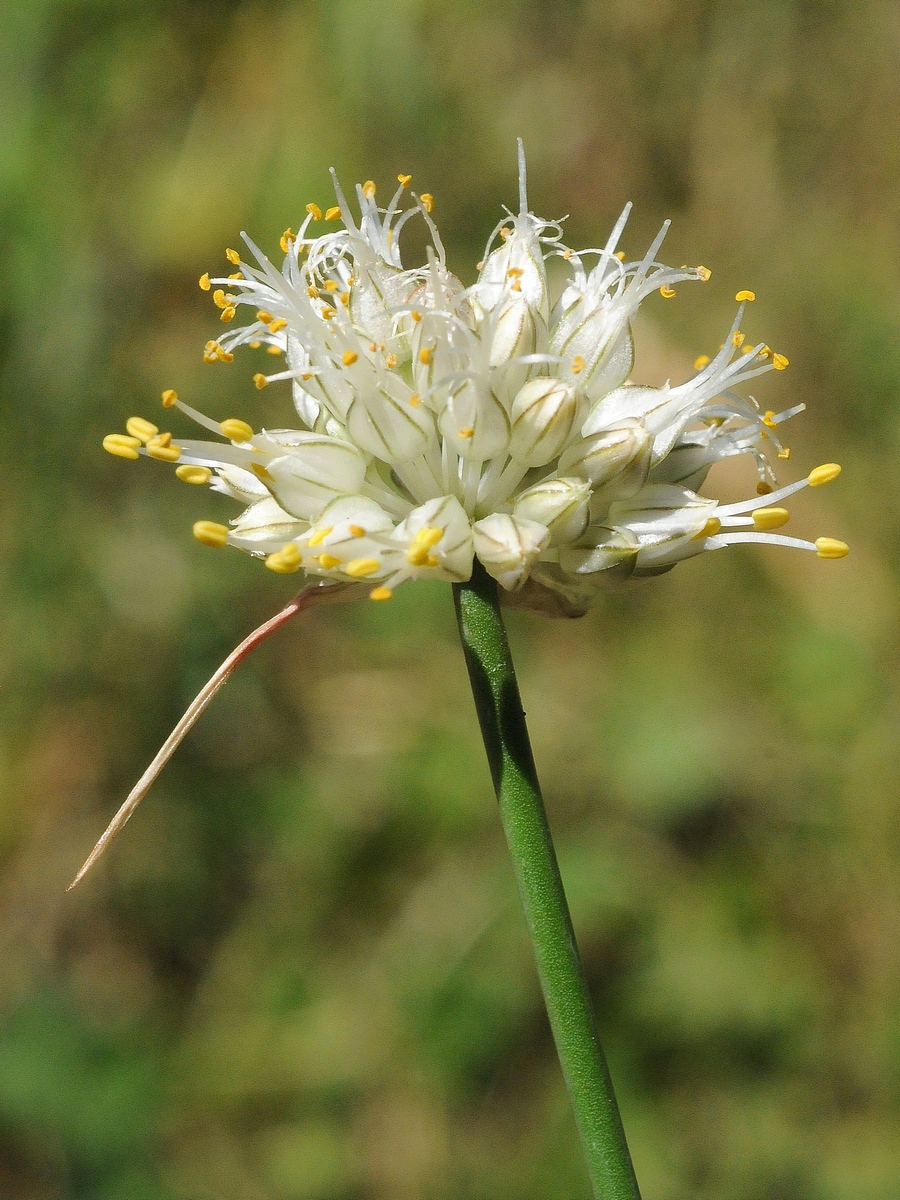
x: 204, y: 282
x: 330, y: 285
x: 305, y: 376
x: 368, y: 189
x: 328, y: 562
x: 827, y: 547
x: 161, y: 448
x: 769, y: 419
x: 824, y: 474
x: 345, y: 298
x: 390, y: 361
x: 785, y: 453
x: 426, y: 355
x: 779, y: 362
x: 765, y: 352
x: 236, y: 430
x: 417, y: 554
x: 221, y: 300
x: 361, y: 567
x: 326, y: 314
x: 763, y: 488
x: 506, y: 233
x: 237, y: 275
x: 738, y: 338
x: 620, y: 255
x: 278, y: 325
x: 577, y: 364
x: 567, y: 254
x: 479, y: 266
x: 228, y: 313
x: 287, y: 240
x: 710, y: 529
x: 745, y: 296
x: 274, y: 350
x: 210, y: 533
x: 356, y: 531
x: 515, y: 272
x: 261, y: 472
x: 770, y: 518
x: 265, y: 317
x: 704, y: 273
x: 169, y: 397
x: 467, y: 431
x: 260, y: 380
x: 282, y: 564
x: 667, y: 291
x: 747, y: 350
x: 333, y: 213
x: 701, y: 362
x: 140, y: 428
x: 290, y: 552
x: 349, y: 357
x: 427, y: 201
x: 404, y: 180
x: 416, y: 316
x: 190, y: 474
x: 121, y: 445
x: 318, y: 536
x: 415, y: 400
x: 232, y: 255
x: 380, y: 593
x: 314, y: 211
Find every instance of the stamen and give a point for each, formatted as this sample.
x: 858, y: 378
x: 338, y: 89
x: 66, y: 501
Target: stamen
x: 404, y: 180
x: 702, y: 361
x: 333, y: 213
x: 210, y: 533
x: 139, y: 428
x: 232, y: 255
x: 380, y: 593
x: 349, y: 357
x: 827, y: 547
x: 427, y: 201
x: 704, y: 274
x: 779, y: 362
x: 425, y: 356
x: 577, y: 364
x: 368, y: 189
x: 328, y: 562
x: 354, y: 530
x: 314, y: 211
x: 161, y: 448
x: 668, y: 292
x: 260, y: 380
x: 169, y: 397
x: 287, y: 240
x: 824, y: 474
x: 359, y: 568
x: 770, y: 518
x: 319, y: 535
x: 122, y: 446
x: 745, y: 297
x: 204, y: 282
x: 236, y: 430
x: 417, y: 554
x: 195, y: 475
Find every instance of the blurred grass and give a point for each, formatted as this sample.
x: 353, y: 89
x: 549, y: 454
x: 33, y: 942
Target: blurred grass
x: 302, y: 974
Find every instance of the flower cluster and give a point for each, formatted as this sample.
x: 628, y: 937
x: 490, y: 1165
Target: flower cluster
x: 441, y: 423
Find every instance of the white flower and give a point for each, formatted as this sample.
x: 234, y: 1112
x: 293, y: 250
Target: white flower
x: 441, y: 422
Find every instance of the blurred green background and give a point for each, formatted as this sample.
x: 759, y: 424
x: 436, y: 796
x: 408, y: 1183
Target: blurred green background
x: 302, y: 973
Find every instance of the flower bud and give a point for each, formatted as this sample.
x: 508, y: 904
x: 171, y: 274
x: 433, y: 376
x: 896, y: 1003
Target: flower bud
x: 603, y: 456
x: 508, y: 546
x: 315, y: 470
x: 560, y: 504
x: 474, y: 422
x: 609, y: 550
x: 542, y: 416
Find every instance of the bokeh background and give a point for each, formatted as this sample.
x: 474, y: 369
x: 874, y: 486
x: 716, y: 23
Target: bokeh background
x: 302, y: 973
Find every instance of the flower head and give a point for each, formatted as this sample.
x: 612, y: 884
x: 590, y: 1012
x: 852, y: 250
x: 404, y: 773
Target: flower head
x: 439, y: 423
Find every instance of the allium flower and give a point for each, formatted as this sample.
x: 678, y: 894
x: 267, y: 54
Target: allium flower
x: 439, y: 423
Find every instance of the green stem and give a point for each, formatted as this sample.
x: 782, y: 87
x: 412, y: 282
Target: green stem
x: 503, y: 728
